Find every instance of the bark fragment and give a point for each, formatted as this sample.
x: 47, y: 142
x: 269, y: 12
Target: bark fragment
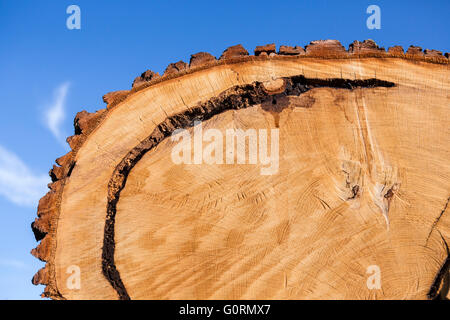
x: 201, y: 59
x: 291, y: 51
x: 234, y: 52
x: 268, y: 49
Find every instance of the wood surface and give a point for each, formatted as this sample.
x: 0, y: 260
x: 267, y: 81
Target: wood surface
x: 363, y: 179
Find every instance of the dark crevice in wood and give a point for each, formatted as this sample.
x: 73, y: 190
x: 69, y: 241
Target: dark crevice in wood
x: 434, y: 293
x: 437, y: 220
x: 71, y: 166
x: 38, y: 234
x: 355, y: 192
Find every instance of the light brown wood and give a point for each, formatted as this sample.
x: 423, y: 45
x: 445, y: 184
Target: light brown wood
x: 363, y: 180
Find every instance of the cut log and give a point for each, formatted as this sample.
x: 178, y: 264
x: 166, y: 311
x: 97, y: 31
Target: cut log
x: 339, y: 190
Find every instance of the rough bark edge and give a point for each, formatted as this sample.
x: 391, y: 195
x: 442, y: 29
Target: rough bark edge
x: 45, y: 226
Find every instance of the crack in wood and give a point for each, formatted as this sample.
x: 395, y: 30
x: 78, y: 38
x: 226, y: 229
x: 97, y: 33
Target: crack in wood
x: 434, y: 293
x: 437, y: 220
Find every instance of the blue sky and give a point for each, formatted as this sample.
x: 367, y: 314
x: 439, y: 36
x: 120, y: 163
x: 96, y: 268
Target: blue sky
x: 48, y: 73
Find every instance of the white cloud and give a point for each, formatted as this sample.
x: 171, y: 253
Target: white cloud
x: 12, y: 263
x: 55, y: 112
x: 17, y: 183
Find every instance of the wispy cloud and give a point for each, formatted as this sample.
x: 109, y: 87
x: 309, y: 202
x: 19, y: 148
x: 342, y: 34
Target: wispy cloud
x: 13, y: 263
x: 17, y: 183
x: 56, y: 112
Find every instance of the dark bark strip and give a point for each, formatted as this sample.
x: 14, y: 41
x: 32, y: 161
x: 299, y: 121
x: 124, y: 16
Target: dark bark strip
x: 438, y: 280
x: 437, y: 220
x: 235, y: 98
